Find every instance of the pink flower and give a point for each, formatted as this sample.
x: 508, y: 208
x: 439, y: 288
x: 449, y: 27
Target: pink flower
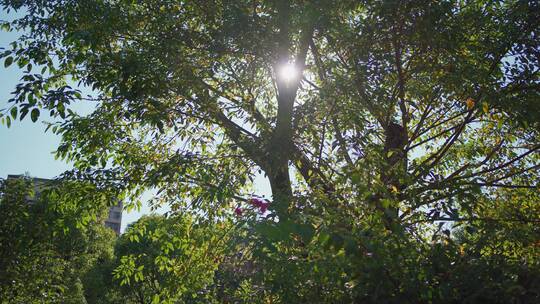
x: 263, y: 207
x: 238, y: 211
x: 259, y: 203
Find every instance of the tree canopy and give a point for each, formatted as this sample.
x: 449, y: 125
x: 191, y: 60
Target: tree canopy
x: 169, y: 260
x: 393, y: 133
x: 46, y: 251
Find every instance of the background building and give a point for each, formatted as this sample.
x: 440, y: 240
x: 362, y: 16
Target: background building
x: 113, y: 220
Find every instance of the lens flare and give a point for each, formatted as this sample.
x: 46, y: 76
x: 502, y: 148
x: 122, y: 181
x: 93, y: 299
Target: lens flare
x: 288, y: 73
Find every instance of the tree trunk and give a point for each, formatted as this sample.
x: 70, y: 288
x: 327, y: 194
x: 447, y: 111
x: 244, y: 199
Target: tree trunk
x: 280, y: 184
x: 395, y: 164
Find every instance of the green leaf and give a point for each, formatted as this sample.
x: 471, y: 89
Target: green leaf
x: 386, y: 203
x: 134, y: 238
x: 306, y: 231
x: 356, y: 178
x: 34, y: 115
x: 5, y: 27
x: 8, y: 121
x: 270, y: 232
x: 14, y: 112
x: 8, y: 61
x: 24, y: 112
x: 22, y: 62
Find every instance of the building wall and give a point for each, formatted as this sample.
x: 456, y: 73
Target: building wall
x: 114, y: 220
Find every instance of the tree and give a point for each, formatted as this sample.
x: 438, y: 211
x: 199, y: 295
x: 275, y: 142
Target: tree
x: 44, y: 254
x: 96, y: 270
x: 167, y: 260
x: 394, y: 116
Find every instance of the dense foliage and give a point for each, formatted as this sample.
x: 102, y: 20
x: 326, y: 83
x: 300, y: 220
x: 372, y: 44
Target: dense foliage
x: 399, y: 138
x: 169, y: 260
x: 46, y: 250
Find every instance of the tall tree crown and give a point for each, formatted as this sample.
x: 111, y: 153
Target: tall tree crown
x: 397, y: 105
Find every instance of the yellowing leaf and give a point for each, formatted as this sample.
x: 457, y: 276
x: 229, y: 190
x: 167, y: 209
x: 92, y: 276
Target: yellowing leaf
x: 470, y: 103
x: 394, y: 189
x: 485, y: 107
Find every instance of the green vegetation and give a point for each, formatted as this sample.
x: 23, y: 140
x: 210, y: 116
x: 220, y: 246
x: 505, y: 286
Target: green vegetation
x: 400, y: 140
x: 169, y: 260
x: 46, y: 252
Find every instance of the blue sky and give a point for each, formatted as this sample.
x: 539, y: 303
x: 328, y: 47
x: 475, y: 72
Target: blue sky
x: 26, y: 148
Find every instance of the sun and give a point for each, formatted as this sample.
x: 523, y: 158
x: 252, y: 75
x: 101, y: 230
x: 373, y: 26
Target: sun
x: 288, y: 72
